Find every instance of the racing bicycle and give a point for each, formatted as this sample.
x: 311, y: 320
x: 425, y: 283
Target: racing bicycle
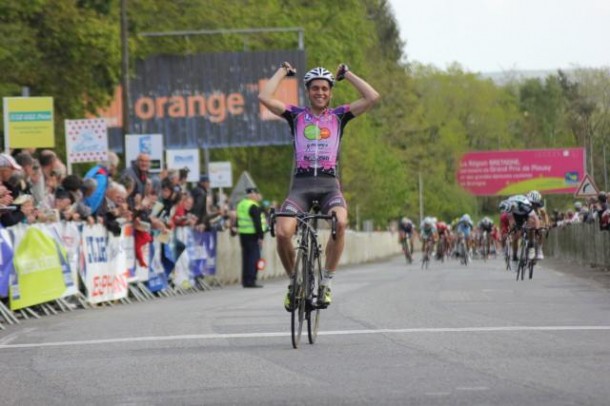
x: 406, y: 248
x: 508, y: 244
x: 427, y: 253
x: 462, y: 249
x: 525, y: 262
x: 307, y: 292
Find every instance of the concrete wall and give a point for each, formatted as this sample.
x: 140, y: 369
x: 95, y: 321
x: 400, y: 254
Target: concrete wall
x: 359, y: 248
x: 581, y: 243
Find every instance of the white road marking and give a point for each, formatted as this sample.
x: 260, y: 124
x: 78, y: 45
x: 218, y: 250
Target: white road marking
x: 472, y: 388
x: 12, y: 337
x: 285, y: 334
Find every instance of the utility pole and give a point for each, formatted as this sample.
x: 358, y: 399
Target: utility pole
x: 124, y: 68
x: 421, y: 198
x: 605, y: 167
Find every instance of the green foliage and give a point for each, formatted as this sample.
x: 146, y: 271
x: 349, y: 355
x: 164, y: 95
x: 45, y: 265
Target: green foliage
x: 425, y: 120
x: 59, y: 49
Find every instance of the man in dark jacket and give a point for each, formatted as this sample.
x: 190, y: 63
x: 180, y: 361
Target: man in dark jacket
x: 204, y: 206
x: 8, y: 169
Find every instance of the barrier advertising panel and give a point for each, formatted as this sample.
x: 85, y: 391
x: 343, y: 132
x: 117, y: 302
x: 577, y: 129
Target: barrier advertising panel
x: 86, y: 140
x: 208, y: 100
x: 499, y: 173
x: 106, y: 273
x: 6, y: 261
x: 28, y: 122
x: 42, y: 272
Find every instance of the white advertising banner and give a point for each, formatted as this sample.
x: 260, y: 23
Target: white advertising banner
x: 86, y: 140
x: 184, y: 158
x: 220, y: 174
x: 151, y: 144
x: 106, y: 271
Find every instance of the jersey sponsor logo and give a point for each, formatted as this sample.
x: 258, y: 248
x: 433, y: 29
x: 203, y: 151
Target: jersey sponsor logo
x: 313, y: 158
x: 313, y: 132
x: 314, y: 146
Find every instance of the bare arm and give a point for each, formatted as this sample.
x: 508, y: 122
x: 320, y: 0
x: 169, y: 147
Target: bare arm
x: 369, y: 95
x: 265, y: 96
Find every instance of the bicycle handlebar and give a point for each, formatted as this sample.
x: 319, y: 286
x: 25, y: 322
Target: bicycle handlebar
x: 303, y: 217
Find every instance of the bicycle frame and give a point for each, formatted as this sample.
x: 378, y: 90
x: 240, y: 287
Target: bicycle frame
x: 524, y: 261
x: 406, y: 248
x: 462, y: 247
x: 307, y: 273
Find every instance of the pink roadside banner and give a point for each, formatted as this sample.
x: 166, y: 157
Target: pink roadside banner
x: 510, y: 172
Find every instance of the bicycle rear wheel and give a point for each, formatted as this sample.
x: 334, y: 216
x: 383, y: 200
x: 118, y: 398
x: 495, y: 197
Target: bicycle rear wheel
x: 297, y: 315
x: 507, y: 256
x: 522, y: 261
x: 313, y: 312
x: 531, y: 268
x: 425, y: 256
x: 407, y: 250
x: 465, y: 255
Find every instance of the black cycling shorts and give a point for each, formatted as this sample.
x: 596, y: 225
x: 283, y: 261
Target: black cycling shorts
x: 520, y: 219
x: 326, y: 190
x: 486, y: 227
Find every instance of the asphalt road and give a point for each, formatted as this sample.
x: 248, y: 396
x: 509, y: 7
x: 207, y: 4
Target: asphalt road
x: 395, y: 335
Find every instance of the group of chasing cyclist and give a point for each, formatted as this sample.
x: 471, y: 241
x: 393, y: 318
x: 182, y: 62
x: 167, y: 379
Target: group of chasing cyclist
x: 443, y: 239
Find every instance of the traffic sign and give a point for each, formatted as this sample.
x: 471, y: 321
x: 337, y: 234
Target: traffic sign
x: 586, y: 188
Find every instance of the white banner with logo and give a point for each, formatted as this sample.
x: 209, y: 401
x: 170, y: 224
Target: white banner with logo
x: 106, y: 271
x: 86, y: 140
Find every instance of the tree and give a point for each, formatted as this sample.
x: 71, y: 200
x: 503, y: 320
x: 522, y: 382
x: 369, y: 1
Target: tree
x: 63, y: 49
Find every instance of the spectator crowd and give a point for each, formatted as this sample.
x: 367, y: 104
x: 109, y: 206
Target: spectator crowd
x: 593, y: 210
x: 35, y: 187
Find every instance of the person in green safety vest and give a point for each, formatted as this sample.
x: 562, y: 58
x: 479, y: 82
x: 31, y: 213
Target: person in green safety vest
x: 250, y: 227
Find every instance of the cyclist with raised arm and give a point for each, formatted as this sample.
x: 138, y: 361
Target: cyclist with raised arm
x: 316, y: 135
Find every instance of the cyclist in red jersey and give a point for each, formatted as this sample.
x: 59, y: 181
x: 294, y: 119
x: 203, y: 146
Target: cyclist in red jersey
x: 504, y: 227
x: 316, y: 134
x: 443, y: 234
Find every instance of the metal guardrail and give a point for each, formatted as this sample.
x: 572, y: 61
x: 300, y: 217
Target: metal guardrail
x: 582, y: 243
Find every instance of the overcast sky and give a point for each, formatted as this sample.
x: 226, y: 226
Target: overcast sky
x: 504, y: 35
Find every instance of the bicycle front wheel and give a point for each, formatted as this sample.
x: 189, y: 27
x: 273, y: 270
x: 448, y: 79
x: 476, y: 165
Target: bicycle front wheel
x: 313, y: 312
x: 298, y: 297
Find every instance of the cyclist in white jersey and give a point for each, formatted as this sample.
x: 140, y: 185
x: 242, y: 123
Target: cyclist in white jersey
x: 316, y: 132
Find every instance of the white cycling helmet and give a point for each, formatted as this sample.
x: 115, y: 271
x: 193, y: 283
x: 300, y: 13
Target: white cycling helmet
x: 534, y: 196
x: 318, y: 73
x: 505, y: 206
x: 520, y: 199
x: 466, y: 218
x: 427, y: 223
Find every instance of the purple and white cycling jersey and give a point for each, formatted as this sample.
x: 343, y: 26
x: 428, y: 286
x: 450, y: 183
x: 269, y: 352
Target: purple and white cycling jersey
x: 317, y: 138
